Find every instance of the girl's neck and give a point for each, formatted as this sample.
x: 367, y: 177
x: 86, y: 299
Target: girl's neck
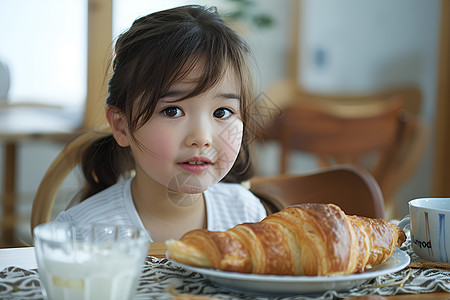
x: 164, y: 213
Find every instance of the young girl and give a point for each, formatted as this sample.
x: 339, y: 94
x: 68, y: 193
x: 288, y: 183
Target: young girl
x: 178, y: 106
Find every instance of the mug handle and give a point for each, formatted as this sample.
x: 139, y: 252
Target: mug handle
x: 404, y: 222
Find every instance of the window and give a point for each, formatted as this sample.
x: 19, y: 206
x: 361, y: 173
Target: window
x: 44, y: 44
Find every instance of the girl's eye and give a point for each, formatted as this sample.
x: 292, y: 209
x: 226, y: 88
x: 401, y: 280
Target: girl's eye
x: 223, y: 113
x: 172, y: 112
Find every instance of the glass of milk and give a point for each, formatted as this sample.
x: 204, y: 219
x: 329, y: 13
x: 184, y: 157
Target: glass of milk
x: 97, y: 261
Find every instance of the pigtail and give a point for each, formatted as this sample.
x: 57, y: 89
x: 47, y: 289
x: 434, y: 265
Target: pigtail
x: 103, y: 163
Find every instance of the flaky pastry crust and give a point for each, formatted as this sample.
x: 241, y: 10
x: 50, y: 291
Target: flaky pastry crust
x: 306, y: 239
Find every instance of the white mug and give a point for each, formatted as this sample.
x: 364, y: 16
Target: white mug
x: 429, y: 222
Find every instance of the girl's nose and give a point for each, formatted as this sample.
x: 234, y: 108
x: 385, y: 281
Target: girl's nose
x: 199, y: 137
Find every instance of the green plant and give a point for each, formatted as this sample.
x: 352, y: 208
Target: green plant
x: 244, y: 10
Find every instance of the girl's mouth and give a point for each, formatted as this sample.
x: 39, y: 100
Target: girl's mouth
x: 195, y: 165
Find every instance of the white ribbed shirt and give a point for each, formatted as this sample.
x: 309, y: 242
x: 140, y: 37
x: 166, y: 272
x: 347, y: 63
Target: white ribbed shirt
x: 227, y: 205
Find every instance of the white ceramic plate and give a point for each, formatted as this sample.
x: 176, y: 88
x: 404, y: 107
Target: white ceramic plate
x: 290, y: 285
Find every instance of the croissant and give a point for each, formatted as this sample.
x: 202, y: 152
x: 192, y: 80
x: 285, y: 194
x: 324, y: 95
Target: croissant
x: 307, y: 239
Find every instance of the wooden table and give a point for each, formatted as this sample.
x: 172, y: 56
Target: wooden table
x: 24, y: 257
x: 25, y: 122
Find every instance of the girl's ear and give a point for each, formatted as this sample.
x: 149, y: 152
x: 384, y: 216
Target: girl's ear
x: 118, y: 125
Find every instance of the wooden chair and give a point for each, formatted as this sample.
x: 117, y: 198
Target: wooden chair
x: 375, y: 133
x: 63, y: 164
x: 353, y: 189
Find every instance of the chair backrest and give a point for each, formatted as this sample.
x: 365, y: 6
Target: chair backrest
x: 63, y: 164
x: 340, y: 134
x: 353, y: 189
x: 377, y: 134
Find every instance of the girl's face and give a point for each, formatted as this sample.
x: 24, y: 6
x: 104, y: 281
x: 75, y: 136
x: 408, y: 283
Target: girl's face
x: 190, y: 145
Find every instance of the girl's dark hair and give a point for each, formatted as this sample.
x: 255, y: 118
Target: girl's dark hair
x: 158, y: 50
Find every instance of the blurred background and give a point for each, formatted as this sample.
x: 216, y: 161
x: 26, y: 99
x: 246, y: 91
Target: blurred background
x: 319, y: 46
